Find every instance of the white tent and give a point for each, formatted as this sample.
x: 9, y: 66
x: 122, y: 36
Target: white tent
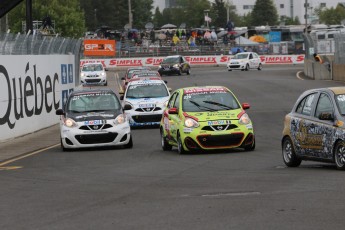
x: 242, y: 41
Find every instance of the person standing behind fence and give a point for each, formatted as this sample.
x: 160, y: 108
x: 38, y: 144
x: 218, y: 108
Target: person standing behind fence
x: 317, y: 58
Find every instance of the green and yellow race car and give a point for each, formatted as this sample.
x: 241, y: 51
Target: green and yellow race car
x: 206, y: 118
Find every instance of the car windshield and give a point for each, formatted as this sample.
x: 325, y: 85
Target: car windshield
x: 93, y: 102
x: 209, y: 101
x: 340, y: 99
x: 95, y: 67
x: 240, y: 56
x: 171, y: 60
x: 147, y: 91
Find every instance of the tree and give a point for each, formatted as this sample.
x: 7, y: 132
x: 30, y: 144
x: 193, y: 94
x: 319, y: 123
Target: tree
x: 218, y: 13
x: 67, y: 15
x: 264, y: 13
x: 142, y: 12
x: 332, y: 16
x: 158, y: 18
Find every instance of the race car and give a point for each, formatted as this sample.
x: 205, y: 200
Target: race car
x: 147, y: 98
x: 93, y: 73
x: 244, y: 61
x: 175, y: 64
x: 206, y: 118
x: 129, y: 73
x: 93, y: 118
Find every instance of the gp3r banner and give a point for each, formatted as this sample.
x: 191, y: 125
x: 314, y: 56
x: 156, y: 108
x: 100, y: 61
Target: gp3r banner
x: 98, y: 47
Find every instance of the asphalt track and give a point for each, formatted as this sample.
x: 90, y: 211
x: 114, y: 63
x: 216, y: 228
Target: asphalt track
x: 147, y: 188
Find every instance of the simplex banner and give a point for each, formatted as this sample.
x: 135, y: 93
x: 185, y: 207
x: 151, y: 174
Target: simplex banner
x: 193, y: 60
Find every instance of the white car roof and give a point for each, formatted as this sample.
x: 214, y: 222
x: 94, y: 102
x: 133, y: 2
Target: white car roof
x: 145, y: 82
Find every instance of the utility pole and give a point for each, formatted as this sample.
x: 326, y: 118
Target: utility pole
x: 130, y: 15
x: 227, y: 11
x: 306, y: 15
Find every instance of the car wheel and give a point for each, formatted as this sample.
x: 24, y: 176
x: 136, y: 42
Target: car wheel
x: 62, y: 146
x: 289, y: 155
x: 180, y: 148
x: 229, y: 69
x: 106, y: 83
x: 188, y: 72
x: 260, y: 67
x: 179, y: 72
x: 250, y: 147
x: 129, y: 145
x: 339, y: 155
x: 247, y: 67
x: 165, y: 145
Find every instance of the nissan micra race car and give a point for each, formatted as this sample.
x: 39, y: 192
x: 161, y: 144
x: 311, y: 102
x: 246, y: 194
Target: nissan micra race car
x: 148, y: 99
x: 92, y: 118
x: 206, y: 118
x: 93, y: 74
x: 245, y: 61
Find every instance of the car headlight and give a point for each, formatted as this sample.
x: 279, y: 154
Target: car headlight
x: 103, y: 74
x: 176, y: 66
x: 244, y: 119
x: 159, y: 66
x: 69, y: 123
x: 189, y: 122
x: 82, y: 74
x: 166, y: 103
x: 120, y: 119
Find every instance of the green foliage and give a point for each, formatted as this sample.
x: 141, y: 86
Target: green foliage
x: 68, y: 18
x: 264, y: 13
x: 332, y: 16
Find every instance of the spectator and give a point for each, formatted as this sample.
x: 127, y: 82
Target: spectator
x: 175, y: 39
x: 317, y: 58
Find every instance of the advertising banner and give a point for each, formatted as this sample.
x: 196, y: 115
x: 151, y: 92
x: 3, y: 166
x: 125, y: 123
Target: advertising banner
x: 99, y: 47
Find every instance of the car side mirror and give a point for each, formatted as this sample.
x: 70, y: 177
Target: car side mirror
x: 127, y: 107
x: 122, y: 78
x: 173, y: 111
x: 59, y: 112
x: 166, y: 82
x: 326, y: 116
x: 105, y: 69
x: 245, y: 106
x: 121, y: 96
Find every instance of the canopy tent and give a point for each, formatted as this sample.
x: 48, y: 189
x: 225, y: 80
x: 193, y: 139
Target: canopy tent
x: 168, y: 26
x: 242, y: 41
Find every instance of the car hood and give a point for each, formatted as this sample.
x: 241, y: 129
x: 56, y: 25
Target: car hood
x: 89, y: 116
x: 237, y: 60
x: 216, y: 115
x: 92, y: 72
x: 146, y: 101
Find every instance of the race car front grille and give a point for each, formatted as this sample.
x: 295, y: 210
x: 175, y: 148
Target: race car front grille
x: 234, y: 66
x: 96, y: 75
x: 219, y: 127
x: 148, y: 109
x: 93, y: 80
x: 95, y: 127
x: 96, y: 138
x: 227, y: 140
x: 147, y: 118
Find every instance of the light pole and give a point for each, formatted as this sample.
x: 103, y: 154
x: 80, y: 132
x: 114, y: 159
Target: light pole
x: 130, y: 15
x: 306, y: 15
x: 206, y: 11
x: 96, y: 19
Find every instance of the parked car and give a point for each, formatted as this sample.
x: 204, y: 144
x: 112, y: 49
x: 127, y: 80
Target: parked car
x: 206, y: 118
x: 244, y: 61
x: 176, y: 64
x: 93, y: 73
x: 93, y: 118
x: 147, y: 99
x: 129, y: 73
x: 314, y: 129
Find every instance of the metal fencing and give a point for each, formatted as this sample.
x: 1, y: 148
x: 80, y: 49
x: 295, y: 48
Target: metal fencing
x: 27, y: 44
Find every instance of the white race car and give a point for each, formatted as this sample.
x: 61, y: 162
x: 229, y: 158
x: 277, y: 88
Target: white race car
x: 93, y: 73
x: 148, y: 99
x: 245, y: 61
x: 92, y: 118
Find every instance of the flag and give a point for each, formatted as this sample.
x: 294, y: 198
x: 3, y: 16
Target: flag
x: 207, y: 19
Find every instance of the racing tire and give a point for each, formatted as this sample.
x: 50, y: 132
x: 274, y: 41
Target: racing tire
x: 229, y: 69
x: 188, y: 72
x: 250, y: 147
x: 289, y: 156
x: 165, y: 145
x: 62, y: 147
x: 180, y: 148
x: 106, y: 83
x: 247, y: 67
x: 260, y: 67
x: 129, y: 145
x: 179, y: 72
x: 339, y: 155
